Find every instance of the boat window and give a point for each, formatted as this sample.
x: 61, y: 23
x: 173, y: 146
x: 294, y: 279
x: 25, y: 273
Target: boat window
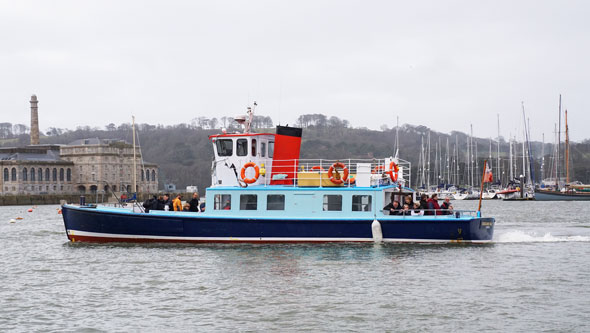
x: 361, y: 203
x: 275, y: 202
x: 271, y: 148
x: 224, y: 147
x: 262, y: 149
x: 248, y: 202
x: 332, y: 202
x: 222, y: 202
x: 242, y: 147
x: 253, y: 147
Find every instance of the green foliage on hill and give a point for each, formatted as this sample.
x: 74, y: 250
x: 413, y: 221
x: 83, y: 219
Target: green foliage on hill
x: 184, y: 152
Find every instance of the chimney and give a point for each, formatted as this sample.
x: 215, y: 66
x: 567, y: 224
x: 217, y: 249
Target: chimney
x: 34, y: 121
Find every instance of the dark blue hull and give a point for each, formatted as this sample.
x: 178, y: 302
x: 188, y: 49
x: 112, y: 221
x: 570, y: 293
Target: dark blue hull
x: 109, y: 225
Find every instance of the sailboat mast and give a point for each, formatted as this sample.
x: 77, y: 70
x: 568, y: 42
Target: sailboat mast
x: 567, y: 151
x: 498, y: 154
x: 134, y: 157
x: 428, y: 164
x: 558, y: 147
x: 543, y: 158
x: 511, y: 165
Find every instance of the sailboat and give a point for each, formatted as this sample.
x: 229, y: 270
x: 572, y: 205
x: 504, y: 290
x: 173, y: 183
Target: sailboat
x: 570, y: 191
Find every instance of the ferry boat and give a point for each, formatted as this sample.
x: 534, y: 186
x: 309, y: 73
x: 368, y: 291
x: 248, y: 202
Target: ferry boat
x: 262, y: 192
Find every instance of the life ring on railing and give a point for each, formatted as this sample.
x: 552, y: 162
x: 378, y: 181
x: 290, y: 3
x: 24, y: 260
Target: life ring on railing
x: 393, y: 171
x: 378, y: 169
x: 331, y: 171
x: 243, y: 173
x: 317, y: 167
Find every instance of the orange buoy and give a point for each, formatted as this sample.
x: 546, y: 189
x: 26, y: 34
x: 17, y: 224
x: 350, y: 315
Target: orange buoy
x: 30, y: 210
x: 59, y: 211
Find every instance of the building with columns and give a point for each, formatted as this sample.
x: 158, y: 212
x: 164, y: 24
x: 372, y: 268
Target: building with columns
x: 83, y: 166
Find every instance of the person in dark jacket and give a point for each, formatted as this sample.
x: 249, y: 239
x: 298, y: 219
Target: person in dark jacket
x: 433, y: 206
x: 424, y: 201
x: 151, y: 204
x: 408, y: 201
x: 165, y: 202
x: 446, y: 206
x: 393, y: 207
x: 194, y: 203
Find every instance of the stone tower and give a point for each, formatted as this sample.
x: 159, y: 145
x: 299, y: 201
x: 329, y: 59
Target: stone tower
x: 34, y: 121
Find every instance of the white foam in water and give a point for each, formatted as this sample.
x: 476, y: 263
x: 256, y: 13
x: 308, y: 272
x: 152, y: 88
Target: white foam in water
x: 518, y: 236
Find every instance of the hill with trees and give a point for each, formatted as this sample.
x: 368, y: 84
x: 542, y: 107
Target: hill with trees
x: 184, y: 152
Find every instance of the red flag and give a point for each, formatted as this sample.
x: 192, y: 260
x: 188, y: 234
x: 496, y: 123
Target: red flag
x: 487, y: 178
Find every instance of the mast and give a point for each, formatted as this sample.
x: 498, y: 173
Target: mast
x: 558, y: 147
x: 498, y: 154
x: 567, y: 152
x: 448, y: 163
x: 543, y: 158
x: 134, y: 158
x: 428, y: 164
x: 511, y: 165
x: 397, y: 137
x: 523, y: 147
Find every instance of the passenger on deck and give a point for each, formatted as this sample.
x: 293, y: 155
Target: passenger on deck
x: 194, y: 203
x: 417, y: 211
x: 202, y: 207
x: 394, y: 208
x: 406, y: 210
x: 166, y: 204
x: 446, y: 206
x: 408, y: 201
x: 177, y: 203
x: 424, y: 201
x: 433, y: 206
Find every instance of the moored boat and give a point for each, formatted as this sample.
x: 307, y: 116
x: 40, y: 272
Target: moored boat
x: 262, y: 192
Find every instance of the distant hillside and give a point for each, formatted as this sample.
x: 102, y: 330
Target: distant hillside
x: 184, y: 152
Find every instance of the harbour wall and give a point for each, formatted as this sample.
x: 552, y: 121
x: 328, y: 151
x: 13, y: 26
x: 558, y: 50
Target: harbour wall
x: 54, y: 199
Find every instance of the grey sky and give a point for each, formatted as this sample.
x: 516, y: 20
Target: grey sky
x: 443, y: 64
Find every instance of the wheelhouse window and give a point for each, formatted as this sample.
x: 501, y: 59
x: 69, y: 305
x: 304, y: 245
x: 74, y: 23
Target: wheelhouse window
x: 248, y: 202
x: 361, y: 203
x: 275, y: 202
x: 242, y: 147
x: 254, y: 147
x: 262, y: 149
x: 332, y: 202
x: 222, y: 202
x: 271, y: 149
x: 225, y: 147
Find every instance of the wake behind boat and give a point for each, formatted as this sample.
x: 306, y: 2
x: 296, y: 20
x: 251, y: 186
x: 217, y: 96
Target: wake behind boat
x: 262, y: 192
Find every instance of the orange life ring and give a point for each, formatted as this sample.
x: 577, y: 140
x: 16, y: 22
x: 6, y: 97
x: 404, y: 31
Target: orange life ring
x: 378, y: 169
x: 243, y: 173
x: 331, y: 171
x: 393, y: 171
x: 317, y: 167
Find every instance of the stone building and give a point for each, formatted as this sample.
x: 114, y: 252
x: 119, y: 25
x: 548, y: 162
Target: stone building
x: 83, y: 166
x: 35, y: 170
x: 104, y: 165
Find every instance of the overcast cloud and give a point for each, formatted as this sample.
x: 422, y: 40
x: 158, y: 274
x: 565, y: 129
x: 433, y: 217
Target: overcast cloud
x: 442, y: 64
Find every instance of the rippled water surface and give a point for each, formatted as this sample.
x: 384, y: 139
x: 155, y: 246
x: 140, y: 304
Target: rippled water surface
x: 535, y: 276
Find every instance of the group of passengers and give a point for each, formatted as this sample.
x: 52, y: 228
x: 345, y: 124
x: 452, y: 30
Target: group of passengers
x: 426, y: 206
x: 163, y: 202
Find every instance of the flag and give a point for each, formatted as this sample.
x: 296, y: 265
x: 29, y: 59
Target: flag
x: 487, y: 178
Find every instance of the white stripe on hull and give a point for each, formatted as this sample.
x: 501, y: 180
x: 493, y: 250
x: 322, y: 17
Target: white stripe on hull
x: 74, y: 233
